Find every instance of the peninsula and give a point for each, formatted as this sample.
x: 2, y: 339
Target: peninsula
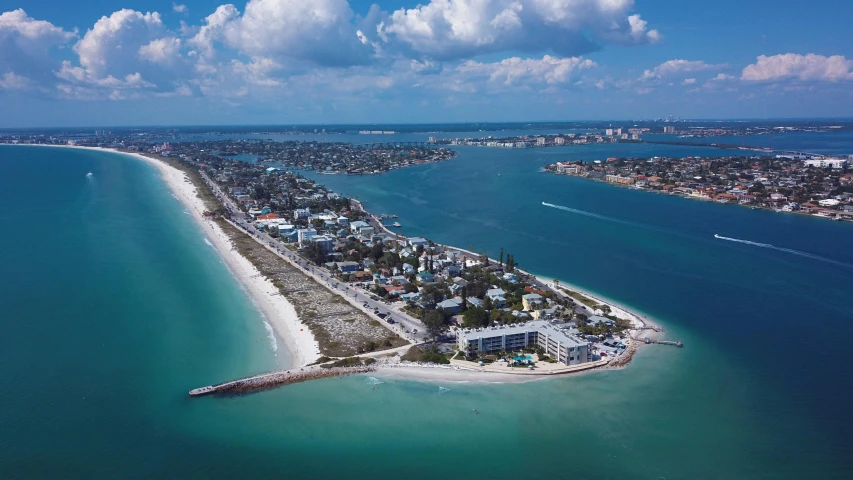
x: 349, y: 295
x: 807, y: 184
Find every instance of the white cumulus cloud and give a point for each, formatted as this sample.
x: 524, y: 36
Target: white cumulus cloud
x: 26, y: 45
x: 808, y: 68
x: 11, y: 81
x: 319, y: 31
x: 516, y: 71
x: 676, y: 67
x: 213, y: 29
x: 179, y: 8
x: 454, y: 29
x: 106, y: 43
x: 161, y: 50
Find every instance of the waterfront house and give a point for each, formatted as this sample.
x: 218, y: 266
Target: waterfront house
x: 418, y: 241
x: 362, y: 228
x: 599, y: 320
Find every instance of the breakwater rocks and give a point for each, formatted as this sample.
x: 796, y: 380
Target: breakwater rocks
x: 277, y: 379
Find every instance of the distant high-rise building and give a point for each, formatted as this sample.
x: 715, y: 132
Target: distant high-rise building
x: 668, y: 129
x: 562, y: 141
x: 540, y: 141
x: 608, y: 132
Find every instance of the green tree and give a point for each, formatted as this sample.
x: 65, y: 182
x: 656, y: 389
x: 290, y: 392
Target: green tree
x: 502, y: 257
x: 377, y: 251
x: 487, y: 303
x: 434, y: 321
x: 464, y: 294
x: 475, y: 317
x: 510, y: 263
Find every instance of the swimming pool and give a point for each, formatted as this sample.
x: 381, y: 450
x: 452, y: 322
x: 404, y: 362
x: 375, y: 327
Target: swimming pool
x: 523, y: 358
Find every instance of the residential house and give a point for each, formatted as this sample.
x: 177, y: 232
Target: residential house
x: 531, y: 301
x: 451, y: 305
x: 425, y: 277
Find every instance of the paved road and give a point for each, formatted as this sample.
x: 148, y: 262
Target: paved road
x: 404, y: 324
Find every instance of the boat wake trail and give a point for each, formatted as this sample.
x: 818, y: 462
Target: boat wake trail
x: 782, y: 249
x: 590, y: 214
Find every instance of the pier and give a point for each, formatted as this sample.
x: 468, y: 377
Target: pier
x: 674, y: 343
x: 276, y: 379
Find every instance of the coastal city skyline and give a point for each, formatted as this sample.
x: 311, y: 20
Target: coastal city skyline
x: 338, y: 61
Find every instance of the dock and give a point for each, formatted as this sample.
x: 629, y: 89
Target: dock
x: 276, y: 379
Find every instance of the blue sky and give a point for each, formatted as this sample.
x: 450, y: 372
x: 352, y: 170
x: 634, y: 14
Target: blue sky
x: 129, y: 62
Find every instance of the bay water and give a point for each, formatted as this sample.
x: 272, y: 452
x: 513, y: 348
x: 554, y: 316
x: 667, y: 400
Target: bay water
x: 113, y: 307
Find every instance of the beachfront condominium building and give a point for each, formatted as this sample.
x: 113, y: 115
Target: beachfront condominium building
x: 556, y: 342
x: 826, y: 162
x: 619, y: 179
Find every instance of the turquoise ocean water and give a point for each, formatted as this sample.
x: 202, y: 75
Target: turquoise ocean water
x: 113, y: 306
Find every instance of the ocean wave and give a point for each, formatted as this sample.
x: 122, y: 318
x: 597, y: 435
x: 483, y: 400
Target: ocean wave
x: 271, y: 335
x: 208, y: 242
x: 782, y: 249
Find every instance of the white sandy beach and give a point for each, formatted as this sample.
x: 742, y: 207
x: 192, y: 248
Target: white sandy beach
x: 281, y: 315
x: 276, y: 310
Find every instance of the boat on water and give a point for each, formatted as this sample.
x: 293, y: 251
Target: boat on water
x: 396, y: 225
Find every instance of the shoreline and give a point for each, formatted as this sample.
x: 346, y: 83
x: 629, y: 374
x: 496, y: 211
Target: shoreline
x: 275, y: 310
x: 801, y: 213
x: 281, y: 316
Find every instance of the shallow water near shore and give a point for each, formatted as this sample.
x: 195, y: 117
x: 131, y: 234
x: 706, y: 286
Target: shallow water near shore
x: 113, y: 307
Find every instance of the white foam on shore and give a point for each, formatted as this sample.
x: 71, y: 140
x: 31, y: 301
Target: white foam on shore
x: 208, y: 243
x: 271, y: 335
